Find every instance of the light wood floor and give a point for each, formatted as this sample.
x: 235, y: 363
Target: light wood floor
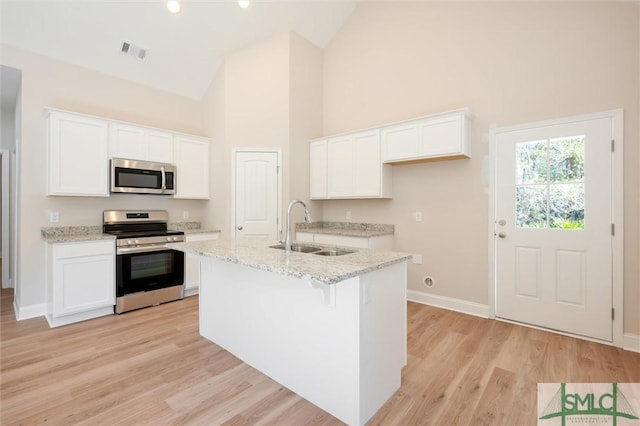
x: 152, y: 367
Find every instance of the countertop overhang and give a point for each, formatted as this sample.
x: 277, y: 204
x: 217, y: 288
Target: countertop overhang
x: 323, y: 269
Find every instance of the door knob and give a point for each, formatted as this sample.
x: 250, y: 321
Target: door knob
x: 502, y: 235
x: 239, y: 227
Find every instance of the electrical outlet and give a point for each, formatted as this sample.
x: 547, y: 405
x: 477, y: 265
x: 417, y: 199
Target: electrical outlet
x: 348, y: 215
x: 54, y: 217
x: 417, y: 259
x: 418, y: 216
x: 185, y: 214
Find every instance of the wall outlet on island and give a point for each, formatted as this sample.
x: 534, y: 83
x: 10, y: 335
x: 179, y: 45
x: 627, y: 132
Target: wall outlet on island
x: 185, y: 214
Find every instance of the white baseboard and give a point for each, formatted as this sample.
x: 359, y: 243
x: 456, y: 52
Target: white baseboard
x: 631, y: 342
x: 31, y: 311
x: 188, y: 292
x: 450, y: 303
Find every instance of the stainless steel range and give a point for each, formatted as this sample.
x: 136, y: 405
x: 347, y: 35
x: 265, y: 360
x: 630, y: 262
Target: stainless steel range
x: 147, y: 272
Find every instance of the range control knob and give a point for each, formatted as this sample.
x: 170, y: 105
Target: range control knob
x: 137, y: 241
x: 130, y: 242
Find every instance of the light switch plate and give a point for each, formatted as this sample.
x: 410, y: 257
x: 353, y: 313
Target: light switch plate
x: 417, y: 259
x: 54, y: 217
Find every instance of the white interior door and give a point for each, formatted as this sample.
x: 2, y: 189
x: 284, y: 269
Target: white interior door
x: 553, y: 211
x: 256, y: 194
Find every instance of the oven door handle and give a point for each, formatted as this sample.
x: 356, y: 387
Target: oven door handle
x: 164, y: 179
x: 142, y: 249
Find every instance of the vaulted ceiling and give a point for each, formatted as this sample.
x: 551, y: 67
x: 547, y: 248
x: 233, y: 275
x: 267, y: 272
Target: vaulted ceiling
x: 183, y: 51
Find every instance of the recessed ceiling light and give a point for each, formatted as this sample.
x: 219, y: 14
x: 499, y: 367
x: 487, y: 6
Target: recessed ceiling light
x: 173, y: 6
x: 243, y: 3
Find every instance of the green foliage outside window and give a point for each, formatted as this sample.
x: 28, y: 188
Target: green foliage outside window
x: 550, y: 183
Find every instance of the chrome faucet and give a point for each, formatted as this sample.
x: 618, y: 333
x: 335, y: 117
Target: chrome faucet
x: 307, y: 218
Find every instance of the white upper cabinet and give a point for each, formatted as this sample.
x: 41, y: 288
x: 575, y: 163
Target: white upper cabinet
x: 191, y: 157
x: 318, y: 169
x: 78, y: 156
x: 434, y: 137
x: 349, y: 166
x: 140, y: 143
x: 79, y: 148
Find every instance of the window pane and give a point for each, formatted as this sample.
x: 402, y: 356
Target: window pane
x: 566, y: 159
x: 531, y: 162
x: 566, y: 206
x: 531, y: 206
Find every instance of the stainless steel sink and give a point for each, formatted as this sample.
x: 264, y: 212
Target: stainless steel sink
x: 301, y: 248
x: 333, y: 252
x: 298, y: 248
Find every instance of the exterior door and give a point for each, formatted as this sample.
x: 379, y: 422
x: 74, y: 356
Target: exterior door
x: 256, y: 194
x: 553, y: 230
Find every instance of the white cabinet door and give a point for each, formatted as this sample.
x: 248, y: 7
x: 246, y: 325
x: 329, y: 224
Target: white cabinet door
x: 140, y: 143
x: 192, y: 167
x: 318, y: 169
x: 83, y: 277
x: 192, y: 263
x: 442, y: 137
x: 400, y: 141
x: 438, y: 136
x: 340, y: 167
x: 159, y: 146
x: 127, y: 141
x: 367, y: 164
x: 78, y: 158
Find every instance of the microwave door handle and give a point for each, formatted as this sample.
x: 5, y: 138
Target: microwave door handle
x: 164, y: 179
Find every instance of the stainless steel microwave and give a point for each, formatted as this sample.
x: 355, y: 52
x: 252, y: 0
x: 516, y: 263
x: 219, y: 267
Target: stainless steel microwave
x: 142, y: 177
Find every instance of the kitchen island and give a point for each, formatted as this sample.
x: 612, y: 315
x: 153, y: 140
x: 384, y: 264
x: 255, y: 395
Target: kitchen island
x: 331, y: 329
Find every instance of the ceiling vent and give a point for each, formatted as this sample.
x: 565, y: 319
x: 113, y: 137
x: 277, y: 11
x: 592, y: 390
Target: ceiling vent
x: 133, y: 50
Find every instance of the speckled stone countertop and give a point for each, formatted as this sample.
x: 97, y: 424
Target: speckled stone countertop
x: 351, y: 229
x: 325, y: 269
x: 69, y: 234
x: 190, y: 228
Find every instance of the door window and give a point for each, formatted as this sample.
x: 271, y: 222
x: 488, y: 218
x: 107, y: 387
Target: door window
x: 550, y: 183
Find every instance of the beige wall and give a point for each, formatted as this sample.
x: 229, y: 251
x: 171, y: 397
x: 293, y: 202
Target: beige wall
x: 511, y: 63
x: 266, y: 95
x: 48, y: 83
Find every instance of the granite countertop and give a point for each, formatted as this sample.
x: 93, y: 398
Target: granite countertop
x: 324, y: 269
x: 69, y: 234
x: 350, y: 229
x: 189, y: 228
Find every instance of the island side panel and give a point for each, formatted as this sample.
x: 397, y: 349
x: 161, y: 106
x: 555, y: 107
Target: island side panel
x: 383, y: 336
x: 302, y: 337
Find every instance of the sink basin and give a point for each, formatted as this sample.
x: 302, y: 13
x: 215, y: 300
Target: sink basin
x: 298, y: 248
x: 333, y: 252
x: 301, y: 248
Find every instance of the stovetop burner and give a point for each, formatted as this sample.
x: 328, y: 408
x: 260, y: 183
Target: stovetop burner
x: 139, y: 227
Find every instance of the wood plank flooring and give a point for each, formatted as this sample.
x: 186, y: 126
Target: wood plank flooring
x: 152, y: 367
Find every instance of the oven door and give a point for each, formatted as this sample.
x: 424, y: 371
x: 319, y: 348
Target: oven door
x: 148, y: 268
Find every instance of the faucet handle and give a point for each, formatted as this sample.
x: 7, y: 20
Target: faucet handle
x: 307, y: 216
x: 280, y: 239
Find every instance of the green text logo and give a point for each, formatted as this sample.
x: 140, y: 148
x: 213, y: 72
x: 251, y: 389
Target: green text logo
x: 613, y: 404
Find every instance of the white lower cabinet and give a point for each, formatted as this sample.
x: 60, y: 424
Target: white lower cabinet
x: 380, y: 242
x: 192, y: 263
x: 80, y: 281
